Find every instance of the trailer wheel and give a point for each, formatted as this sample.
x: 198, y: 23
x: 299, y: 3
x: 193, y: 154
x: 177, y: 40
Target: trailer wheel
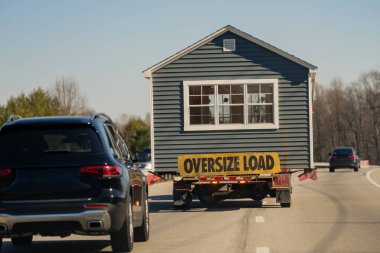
x: 259, y: 192
x: 185, y: 202
x: 208, y: 200
x: 22, y: 241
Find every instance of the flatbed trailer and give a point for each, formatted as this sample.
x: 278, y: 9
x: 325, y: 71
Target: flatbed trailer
x: 211, y: 189
x: 211, y: 178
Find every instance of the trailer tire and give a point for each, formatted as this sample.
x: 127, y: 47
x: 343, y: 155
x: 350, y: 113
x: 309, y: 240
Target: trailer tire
x: 22, y: 241
x: 208, y: 200
x: 186, y: 203
x: 260, y: 191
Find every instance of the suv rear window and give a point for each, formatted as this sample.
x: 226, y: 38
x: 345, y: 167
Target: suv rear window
x: 53, y: 145
x: 343, y: 151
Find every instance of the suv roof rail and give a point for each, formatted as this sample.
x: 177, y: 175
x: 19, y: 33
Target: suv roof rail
x: 13, y: 117
x: 95, y: 115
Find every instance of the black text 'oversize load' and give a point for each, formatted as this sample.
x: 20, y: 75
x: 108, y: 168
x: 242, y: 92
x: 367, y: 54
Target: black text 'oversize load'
x: 228, y: 164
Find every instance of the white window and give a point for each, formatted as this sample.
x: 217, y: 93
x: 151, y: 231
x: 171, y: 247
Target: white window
x: 231, y: 104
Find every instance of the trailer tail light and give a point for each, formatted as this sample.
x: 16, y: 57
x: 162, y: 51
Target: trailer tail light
x: 214, y: 182
x: 5, y: 172
x: 104, y: 171
x: 242, y: 182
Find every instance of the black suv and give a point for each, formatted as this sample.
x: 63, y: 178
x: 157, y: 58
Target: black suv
x: 64, y: 175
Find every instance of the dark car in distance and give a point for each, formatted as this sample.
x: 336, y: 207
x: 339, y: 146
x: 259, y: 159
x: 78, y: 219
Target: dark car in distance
x: 344, y: 157
x: 70, y: 175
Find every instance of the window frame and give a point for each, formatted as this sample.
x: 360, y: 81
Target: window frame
x: 234, y: 126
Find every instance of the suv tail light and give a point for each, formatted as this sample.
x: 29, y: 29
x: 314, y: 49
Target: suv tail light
x: 353, y: 156
x: 105, y: 171
x: 5, y: 172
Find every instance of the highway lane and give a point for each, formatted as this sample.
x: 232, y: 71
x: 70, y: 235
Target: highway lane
x: 339, y: 213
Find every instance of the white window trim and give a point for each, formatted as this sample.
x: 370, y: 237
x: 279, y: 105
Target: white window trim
x: 188, y: 127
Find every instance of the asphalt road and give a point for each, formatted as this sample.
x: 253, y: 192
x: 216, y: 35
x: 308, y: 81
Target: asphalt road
x: 338, y: 213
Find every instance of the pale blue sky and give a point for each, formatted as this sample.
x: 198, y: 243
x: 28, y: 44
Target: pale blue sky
x: 105, y: 45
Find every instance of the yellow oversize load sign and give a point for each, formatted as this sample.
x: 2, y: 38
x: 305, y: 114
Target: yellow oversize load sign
x: 228, y: 164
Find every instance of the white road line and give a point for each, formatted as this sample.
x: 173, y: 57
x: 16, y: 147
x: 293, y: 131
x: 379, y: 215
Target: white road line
x: 262, y: 250
x: 259, y: 218
x: 368, y: 175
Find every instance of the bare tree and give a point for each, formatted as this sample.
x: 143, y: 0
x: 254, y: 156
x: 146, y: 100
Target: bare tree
x: 371, y: 84
x: 67, y: 97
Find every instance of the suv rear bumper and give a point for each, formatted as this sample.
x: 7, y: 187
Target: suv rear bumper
x: 86, y: 221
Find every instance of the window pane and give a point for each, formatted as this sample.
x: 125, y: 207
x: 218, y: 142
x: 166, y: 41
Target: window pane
x: 237, y: 114
x: 202, y: 115
x: 231, y: 114
x: 253, y: 98
x: 208, y: 100
x: 224, y: 114
x: 195, y: 90
x: 224, y: 99
x: 253, y: 88
x: 237, y: 99
x: 268, y: 98
x: 195, y: 110
x: 195, y: 100
x: 195, y: 120
x: 224, y: 89
x: 260, y: 114
x: 206, y: 90
x: 266, y: 88
x: 237, y: 89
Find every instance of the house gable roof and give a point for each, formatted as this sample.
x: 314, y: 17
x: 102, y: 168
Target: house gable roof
x: 148, y: 72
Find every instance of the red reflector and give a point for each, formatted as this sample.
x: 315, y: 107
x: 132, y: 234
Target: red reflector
x: 95, y: 206
x: 102, y: 170
x: 5, y: 172
x: 218, y: 178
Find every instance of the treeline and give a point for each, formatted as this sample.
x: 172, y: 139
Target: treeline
x: 348, y: 115
x: 65, y: 99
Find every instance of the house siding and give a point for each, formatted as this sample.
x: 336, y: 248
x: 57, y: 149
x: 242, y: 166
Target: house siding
x: 249, y: 61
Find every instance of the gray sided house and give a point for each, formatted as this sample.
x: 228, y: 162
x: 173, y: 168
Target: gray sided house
x: 231, y: 92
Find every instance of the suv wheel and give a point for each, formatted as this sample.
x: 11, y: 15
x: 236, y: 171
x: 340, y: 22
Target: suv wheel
x: 142, y: 233
x: 331, y: 169
x: 22, y: 241
x: 356, y: 169
x: 122, y: 240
